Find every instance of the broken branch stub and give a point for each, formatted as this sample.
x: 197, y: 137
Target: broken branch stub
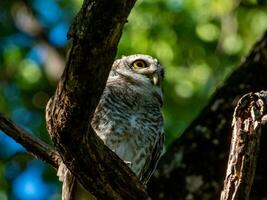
x: 248, y: 119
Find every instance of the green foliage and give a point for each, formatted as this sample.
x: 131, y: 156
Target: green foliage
x: 198, y: 42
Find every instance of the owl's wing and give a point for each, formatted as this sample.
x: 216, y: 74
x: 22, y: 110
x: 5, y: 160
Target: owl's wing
x: 152, y: 162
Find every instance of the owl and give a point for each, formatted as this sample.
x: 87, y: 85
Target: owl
x: 128, y: 117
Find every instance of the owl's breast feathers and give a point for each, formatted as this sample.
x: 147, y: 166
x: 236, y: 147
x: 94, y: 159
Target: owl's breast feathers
x: 129, y: 121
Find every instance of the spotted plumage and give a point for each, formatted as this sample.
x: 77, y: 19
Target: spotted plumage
x: 128, y: 117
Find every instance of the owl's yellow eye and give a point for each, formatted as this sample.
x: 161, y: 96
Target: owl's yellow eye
x: 139, y: 64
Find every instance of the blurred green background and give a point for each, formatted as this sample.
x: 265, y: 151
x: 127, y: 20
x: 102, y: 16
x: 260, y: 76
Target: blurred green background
x: 198, y: 41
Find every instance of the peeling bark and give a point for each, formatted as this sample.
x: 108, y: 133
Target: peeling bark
x: 245, y: 144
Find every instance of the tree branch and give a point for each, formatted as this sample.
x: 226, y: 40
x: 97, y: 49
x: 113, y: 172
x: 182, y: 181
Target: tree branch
x: 31, y: 143
x: 194, y: 165
x: 189, y: 169
x: 247, y: 123
x: 95, y: 32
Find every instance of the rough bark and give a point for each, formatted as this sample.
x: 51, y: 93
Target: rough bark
x: 247, y: 124
x: 95, y: 32
x: 195, y: 164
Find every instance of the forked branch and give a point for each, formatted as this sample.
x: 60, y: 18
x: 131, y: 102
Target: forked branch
x: 95, y: 33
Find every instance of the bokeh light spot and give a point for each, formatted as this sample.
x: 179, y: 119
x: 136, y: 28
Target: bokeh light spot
x: 37, y: 54
x: 48, y: 10
x: 58, y: 35
x: 8, y: 146
x: 21, y: 115
x: 259, y: 22
x: 184, y: 89
x: 207, y: 32
x: 164, y: 50
x: 30, y: 71
x: 29, y: 188
x: 200, y: 73
x: 232, y: 44
x: 18, y: 39
x: 29, y: 185
x: 12, y: 54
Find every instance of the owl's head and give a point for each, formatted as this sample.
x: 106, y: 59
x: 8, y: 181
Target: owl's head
x: 142, y: 72
x: 139, y: 68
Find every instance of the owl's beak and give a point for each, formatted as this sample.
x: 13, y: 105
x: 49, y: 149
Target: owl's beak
x: 155, y: 79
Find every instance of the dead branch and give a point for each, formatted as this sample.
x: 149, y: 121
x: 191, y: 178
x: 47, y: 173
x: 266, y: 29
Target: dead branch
x: 247, y: 123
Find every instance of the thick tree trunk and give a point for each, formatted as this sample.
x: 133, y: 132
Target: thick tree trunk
x: 96, y: 32
x: 195, y: 165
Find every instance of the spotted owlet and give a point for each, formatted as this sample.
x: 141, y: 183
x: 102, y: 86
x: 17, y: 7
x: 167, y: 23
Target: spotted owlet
x: 128, y: 117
